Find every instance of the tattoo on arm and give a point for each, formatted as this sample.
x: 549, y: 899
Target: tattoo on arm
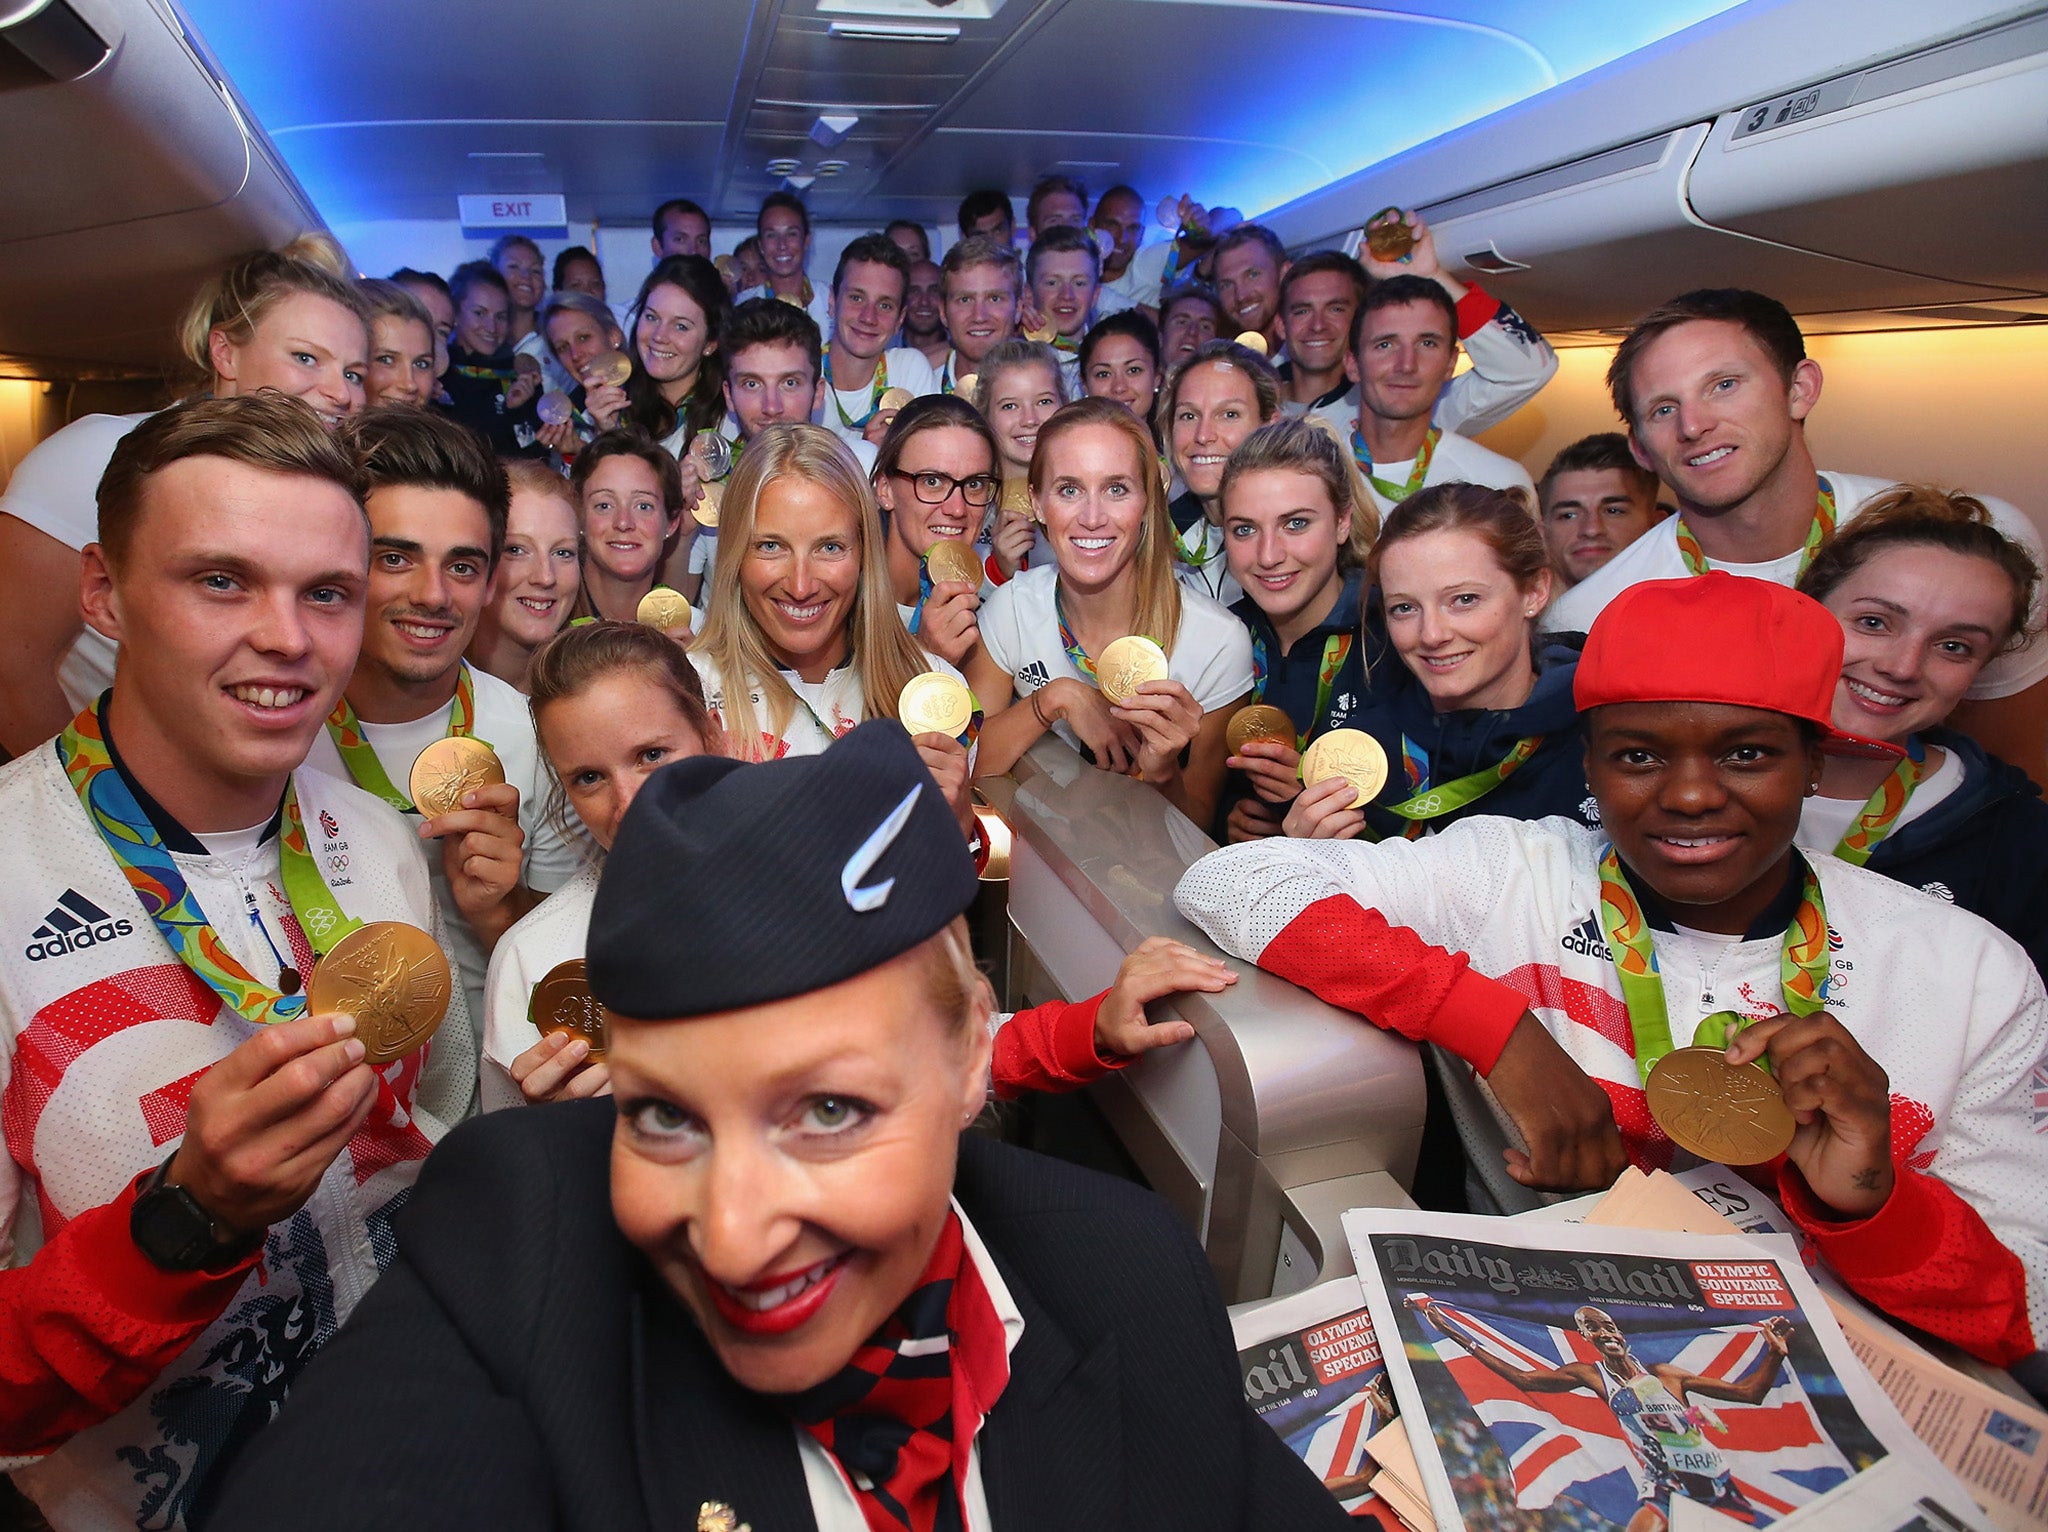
x: 1866, y: 1180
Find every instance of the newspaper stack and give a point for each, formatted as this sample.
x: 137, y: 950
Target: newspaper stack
x: 1560, y: 1376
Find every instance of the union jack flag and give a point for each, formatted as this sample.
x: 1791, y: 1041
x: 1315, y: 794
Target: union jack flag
x: 1569, y: 1444
x: 2040, y: 1088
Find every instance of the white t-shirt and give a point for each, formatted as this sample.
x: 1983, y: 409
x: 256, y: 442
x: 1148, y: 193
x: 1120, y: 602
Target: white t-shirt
x: 819, y: 308
x: 1210, y: 576
x: 825, y: 710
x: 1457, y: 460
x: 703, y: 559
x: 843, y: 412
x: 1655, y: 556
x: 1138, y: 287
x: 1211, y: 655
x: 552, y: 933
x: 1824, y: 821
x: 55, y: 489
x: 504, y: 723
x: 552, y: 373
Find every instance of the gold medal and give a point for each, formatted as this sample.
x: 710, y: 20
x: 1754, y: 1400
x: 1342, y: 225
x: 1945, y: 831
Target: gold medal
x: 894, y: 398
x: 995, y: 835
x: 964, y: 385
x: 1389, y: 241
x: 447, y: 769
x: 950, y: 560
x: 935, y: 703
x: 1016, y: 497
x: 1252, y: 340
x: 1127, y: 664
x: 1732, y: 1114
x: 723, y: 265
x: 393, y: 978
x: 1259, y: 721
x: 562, y: 1002
x: 1042, y: 335
x: 1351, y: 754
x: 663, y: 608
x: 706, y: 508
x: 793, y: 301
x: 612, y: 367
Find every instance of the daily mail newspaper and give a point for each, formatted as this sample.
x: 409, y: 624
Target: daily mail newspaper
x: 1566, y: 1378
x: 1313, y: 1372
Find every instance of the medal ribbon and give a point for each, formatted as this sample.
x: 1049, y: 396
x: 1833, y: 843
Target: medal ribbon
x: 1075, y: 652
x: 1434, y: 802
x: 146, y: 862
x: 1336, y: 649
x: 1802, y: 967
x: 1387, y: 488
x: 1817, y: 534
x: 876, y: 389
x: 365, y: 769
x: 1882, y: 809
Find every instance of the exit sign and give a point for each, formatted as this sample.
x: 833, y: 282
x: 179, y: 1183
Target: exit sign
x: 531, y: 211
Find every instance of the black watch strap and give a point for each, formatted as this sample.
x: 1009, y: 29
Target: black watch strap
x: 176, y: 1233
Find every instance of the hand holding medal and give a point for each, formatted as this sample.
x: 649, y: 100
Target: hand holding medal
x: 482, y: 844
x: 939, y: 712
x: 392, y: 978
x: 567, y: 1064
x: 1261, y: 741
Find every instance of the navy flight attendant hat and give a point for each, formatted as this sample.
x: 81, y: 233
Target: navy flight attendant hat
x: 731, y: 885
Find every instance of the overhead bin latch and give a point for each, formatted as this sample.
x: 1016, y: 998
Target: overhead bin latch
x: 53, y: 38
x: 1491, y: 261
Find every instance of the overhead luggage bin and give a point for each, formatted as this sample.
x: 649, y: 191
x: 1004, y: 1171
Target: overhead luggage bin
x: 1283, y: 1111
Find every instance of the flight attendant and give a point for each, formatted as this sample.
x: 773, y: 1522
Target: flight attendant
x: 1297, y: 539
x: 1211, y: 402
x: 1928, y: 591
x: 289, y: 320
x: 613, y: 702
x: 812, y: 646
x: 1905, y: 1036
x: 1482, y: 719
x: 540, y: 573
x: 771, y: 1283
x: 631, y: 496
x: 1095, y: 484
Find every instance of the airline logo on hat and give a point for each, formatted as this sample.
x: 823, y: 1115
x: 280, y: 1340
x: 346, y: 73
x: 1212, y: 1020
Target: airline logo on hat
x: 871, y: 851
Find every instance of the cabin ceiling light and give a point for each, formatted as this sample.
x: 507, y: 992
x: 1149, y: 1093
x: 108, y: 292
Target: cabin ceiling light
x: 896, y: 31
x: 784, y: 167
x: 834, y: 167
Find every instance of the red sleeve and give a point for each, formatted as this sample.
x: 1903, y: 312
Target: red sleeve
x: 1476, y: 309
x: 1926, y: 1257
x: 1344, y: 953
x: 994, y: 570
x: 88, y: 1324
x: 1050, y: 1048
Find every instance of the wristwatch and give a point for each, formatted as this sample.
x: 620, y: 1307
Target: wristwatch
x: 170, y: 1227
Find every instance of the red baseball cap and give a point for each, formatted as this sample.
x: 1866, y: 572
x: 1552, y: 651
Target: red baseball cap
x: 1721, y: 637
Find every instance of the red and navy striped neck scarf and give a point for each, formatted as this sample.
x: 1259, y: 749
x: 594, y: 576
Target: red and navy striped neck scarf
x: 900, y: 1417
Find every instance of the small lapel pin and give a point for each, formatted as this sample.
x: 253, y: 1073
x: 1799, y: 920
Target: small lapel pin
x: 717, y: 1516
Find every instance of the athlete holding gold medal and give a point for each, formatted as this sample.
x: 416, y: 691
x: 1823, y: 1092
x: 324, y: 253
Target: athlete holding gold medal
x: 1684, y: 979
x: 206, y: 901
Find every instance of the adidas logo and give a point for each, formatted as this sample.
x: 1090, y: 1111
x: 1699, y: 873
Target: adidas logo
x: 1586, y: 938
x: 1033, y: 676
x: 75, y: 924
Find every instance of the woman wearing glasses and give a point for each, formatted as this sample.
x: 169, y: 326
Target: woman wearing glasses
x: 936, y: 477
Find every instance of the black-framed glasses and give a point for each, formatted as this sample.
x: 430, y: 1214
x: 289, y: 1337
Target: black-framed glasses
x: 934, y: 488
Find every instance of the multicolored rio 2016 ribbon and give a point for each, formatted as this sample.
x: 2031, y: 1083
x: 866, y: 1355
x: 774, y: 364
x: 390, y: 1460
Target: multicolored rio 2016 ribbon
x: 363, y: 766
x: 1387, y: 488
x: 1818, y: 531
x: 1882, y: 809
x: 1435, y: 802
x: 1802, y: 967
x: 1336, y: 649
x: 146, y: 862
x: 877, y: 387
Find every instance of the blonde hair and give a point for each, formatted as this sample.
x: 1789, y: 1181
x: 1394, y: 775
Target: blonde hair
x: 956, y: 983
x: 878, y: 645
x: 235, y: 301
x: 1156, y: 611
x: 1294, y: 444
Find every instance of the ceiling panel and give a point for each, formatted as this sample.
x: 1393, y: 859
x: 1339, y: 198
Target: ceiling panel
x: 379, y: 106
